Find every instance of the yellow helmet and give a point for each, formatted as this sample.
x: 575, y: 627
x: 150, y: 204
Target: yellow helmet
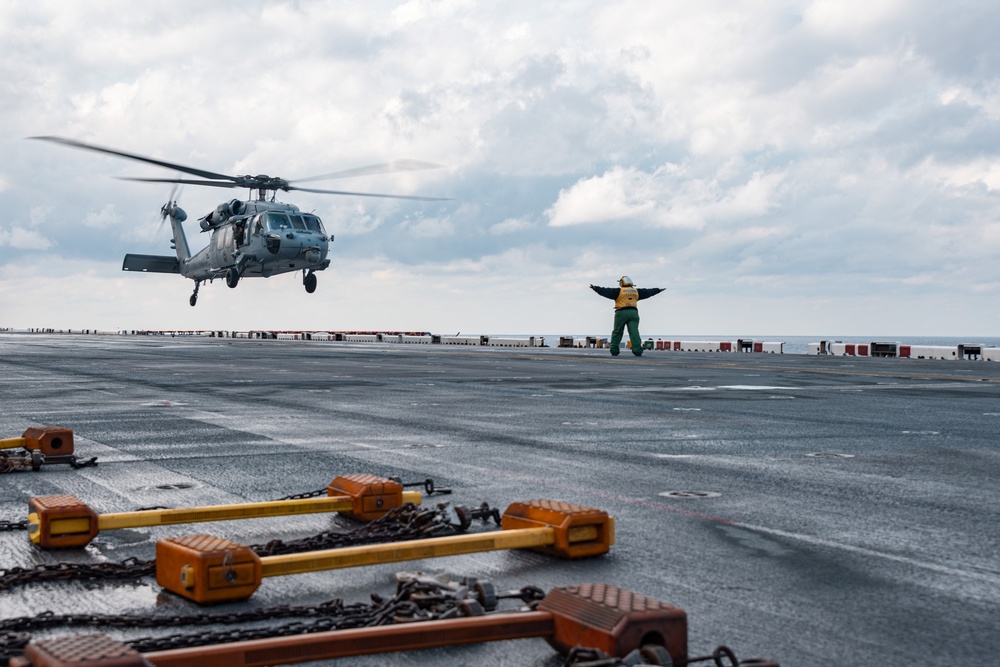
x: 625, y: 281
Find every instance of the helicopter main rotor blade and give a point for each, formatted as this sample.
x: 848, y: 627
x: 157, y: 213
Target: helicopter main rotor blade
x: 386, y: 168
x: 366, y: 194
x: 131, y: 156
x: 184, y: 181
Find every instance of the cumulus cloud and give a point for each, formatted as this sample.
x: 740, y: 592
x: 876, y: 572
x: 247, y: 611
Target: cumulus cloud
x: 24, y: 239
x: 106, y: 217
x: 510, y: 226
x: 664, y: 198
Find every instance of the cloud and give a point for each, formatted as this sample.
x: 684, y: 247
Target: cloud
x: 421, y: 227
x: 24, y: 239
x: 663, y: 198
x: 106, y: 217
x: 510, y: 226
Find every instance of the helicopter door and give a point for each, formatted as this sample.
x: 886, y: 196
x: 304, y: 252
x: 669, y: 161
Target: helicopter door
x: 224, y: 246
x: 241, y: 233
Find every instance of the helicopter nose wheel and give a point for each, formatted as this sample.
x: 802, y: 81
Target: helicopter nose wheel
x: 309, y: 280
x: 233, y: 278
x: 194, y: 297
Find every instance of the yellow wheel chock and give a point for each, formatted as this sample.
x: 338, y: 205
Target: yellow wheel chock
x: 209, y: 569
x: 65, y: 522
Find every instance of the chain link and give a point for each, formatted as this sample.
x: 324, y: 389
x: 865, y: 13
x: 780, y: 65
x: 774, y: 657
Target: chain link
x: 408, y: 522
x: 17, y: 461
x: 428, y: 484
x: 653, y: 654
x: 130, y: 568
x: 35, y: 460
x: 6, y: 526
x: 418, y: 597
x: 303, y: 496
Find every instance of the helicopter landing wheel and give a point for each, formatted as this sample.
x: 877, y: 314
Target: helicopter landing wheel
x: 232, y: 278
x: 193, y: 300
x: 309, y: 280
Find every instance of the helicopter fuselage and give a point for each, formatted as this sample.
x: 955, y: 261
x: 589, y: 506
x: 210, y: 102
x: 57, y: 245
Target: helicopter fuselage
x: 261, y: 239
x: 255, y: 238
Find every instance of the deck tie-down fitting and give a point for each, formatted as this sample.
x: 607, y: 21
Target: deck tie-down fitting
x: 604, y: 617
x: 65, y: 522
x: 210, y: 569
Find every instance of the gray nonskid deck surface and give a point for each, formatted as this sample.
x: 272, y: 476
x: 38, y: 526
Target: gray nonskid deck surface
x: 839, y: 511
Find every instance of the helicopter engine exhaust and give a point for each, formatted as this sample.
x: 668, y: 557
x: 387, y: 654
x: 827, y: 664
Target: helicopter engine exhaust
x: 223, y: 212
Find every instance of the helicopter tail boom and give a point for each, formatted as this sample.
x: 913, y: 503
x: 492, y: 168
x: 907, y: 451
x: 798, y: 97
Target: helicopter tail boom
x: 151, y: 264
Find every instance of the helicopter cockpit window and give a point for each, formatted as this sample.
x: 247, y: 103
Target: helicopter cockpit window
x: 258, y: 224
x: 296, y: 221
x: 313, y: 223
x: 275, y: 221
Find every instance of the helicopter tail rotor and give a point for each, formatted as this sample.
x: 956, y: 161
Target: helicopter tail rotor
x: 164, y: 213
x: 171, y: 208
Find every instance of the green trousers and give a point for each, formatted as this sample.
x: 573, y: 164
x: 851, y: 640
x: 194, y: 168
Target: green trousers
x: 627, y: 317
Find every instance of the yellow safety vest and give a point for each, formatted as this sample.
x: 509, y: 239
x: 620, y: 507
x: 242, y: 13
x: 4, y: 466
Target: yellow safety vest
x: 627, y: 298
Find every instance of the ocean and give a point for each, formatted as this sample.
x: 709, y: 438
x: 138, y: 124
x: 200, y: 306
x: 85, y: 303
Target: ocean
x: 800, y: 344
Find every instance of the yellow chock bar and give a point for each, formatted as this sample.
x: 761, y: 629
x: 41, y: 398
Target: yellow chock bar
x: 49, y: 440
x: 65, y: 522
x: 209, y: 569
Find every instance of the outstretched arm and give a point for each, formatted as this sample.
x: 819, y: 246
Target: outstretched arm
x: 646, y: 292
x: 608, y: 292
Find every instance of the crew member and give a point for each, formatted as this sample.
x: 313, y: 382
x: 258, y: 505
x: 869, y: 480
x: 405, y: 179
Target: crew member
x: 626, y: 296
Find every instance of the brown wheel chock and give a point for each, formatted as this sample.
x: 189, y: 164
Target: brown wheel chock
x: 613, y: 620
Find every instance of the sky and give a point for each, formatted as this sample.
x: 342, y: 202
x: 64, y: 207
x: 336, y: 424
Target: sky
x: 780, y: 168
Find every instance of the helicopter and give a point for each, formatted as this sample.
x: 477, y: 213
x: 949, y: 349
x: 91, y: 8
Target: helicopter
x: 257, y: 237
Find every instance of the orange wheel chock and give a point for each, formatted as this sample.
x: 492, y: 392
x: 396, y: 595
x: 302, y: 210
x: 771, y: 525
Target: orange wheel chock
x: 207, y: 569
x: 580, y: 531
x: 49, y: 440
x: 77, y: 523
x: 371, y: 496
x: 184, y: 565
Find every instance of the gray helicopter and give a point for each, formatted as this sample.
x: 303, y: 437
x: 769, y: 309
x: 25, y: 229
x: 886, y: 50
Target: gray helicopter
x: 254, y: 238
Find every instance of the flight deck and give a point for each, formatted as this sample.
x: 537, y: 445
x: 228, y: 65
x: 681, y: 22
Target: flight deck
x: 813, y: 510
